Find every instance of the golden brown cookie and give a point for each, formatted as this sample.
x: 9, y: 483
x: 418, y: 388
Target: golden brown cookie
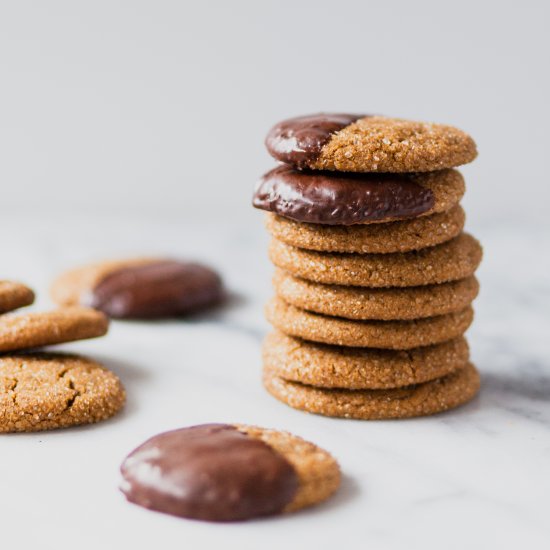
x: 33, y: 330
x: 367, y: 334
x: 379, y: 238
x: 14, y: 295
x: 44, y: 391
x: 228, y: 472
x: 423, y: 399
x: 363, y: 143
x: 450, y: 261
x: 327, y: 366
x: 385, y: 304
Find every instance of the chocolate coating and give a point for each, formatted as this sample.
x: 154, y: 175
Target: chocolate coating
x: 211, y: 472
x: 158, y: 289
x: 342, y: 199
x: 299, y: 140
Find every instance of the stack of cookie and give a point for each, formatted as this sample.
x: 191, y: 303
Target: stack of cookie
x: 375, y: 276
x: 41, y: 390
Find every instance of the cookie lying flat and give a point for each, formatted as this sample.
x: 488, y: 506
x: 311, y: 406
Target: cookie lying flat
x: 431, y: 397
x: 326, y: 366
x: 33, y: 330
x: 140, y: 288
x: 450, y: 261
x: 385, y: 304
x: 351, y: 199
x: 224, y: 472
x: 367, y: 334
x: 402, y: 236
x: 14, y: 295
x: 44, y: 391
x: 363, y: 143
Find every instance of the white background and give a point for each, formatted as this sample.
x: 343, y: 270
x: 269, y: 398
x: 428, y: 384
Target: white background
x: 137, y: 128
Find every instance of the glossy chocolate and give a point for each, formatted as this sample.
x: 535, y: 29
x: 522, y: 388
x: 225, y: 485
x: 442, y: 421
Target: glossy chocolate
x: 158, y: 289
x: 298, y: 141
x: 340, y: 199
x: 211, y: 472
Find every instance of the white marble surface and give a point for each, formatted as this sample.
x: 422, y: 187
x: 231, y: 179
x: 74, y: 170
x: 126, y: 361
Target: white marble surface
x: 477, y: 477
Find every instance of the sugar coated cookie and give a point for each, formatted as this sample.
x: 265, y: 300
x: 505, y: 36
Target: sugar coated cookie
x: 140, y: 288
x: 349, y: 199
x: 327, y: 366
x: 225, y: 472
x: 401, y: 236
x: 14, y: 295
x: 44, y: 391
x: 367, y: 334
x: 423, y: 399
x: 33, y: 330
x: 363, y: 143
x: 450, y: 261
x: 385, y: 304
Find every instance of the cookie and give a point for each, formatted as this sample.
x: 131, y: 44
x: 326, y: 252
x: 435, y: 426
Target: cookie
x: 450, y: 261
x: 385, y: 304
x: 141, y: 288
x: 45, y: 391
x: 225, y: 472
x: 14, y: 295
x: 402, y: 236
x: 427, y: 398
x: 367, y: 334
x: 365, y: 143
x: 326, y: 366
x: 349, y: 199
x: 33, y: 330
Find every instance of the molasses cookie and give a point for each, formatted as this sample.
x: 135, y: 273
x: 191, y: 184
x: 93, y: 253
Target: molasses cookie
x: 226, y: 472
x: 450, y: 261
x: 44, y: 391
x: 379, y: 238
x: 327, y: 366
x: 350, y: 199
x: 365, y: 143
x: 385, y: 304
x: 367, y: 334
x: 427, y: 398
x: 140, y: 288
x: 33, y: 330
x: 14, y: 295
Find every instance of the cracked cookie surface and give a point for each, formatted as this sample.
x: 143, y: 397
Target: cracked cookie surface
x: 45, y: 391
x: 33, y: 330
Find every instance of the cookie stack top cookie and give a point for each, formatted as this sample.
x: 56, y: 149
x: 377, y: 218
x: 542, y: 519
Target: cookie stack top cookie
x: 374, y: 278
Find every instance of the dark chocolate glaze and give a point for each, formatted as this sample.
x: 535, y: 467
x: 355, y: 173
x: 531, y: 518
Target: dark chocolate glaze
x: 340, y: 198
x: 211, y: 472
x: 164, y: 288
x: 298, y: 141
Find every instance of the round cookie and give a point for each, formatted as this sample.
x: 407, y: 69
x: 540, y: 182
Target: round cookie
x: 45, y: 391
x: 450, y: 261
x: 400, y: 236
x: 351, y: 199
x: 226, y: 472
x: 14, y: 295
x: 385, y: 304
x: 398, y: 335
x: 363, y: 143
x: 326, y: 366
x: 427, y: 398
x: 141, y: 288
x: 33, y: 330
